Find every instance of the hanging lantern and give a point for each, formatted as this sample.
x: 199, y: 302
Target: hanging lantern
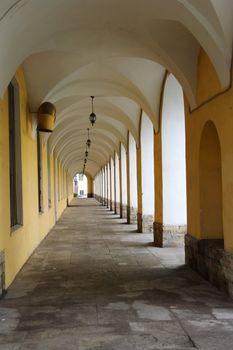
x: 92, y: 117
x: 46, y: 117
x: 88, y: 139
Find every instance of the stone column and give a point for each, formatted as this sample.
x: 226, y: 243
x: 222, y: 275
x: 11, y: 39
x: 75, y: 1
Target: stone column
x: 107, y: 186
x: 120, y: 182
x: 102, y: 172
x: 110, y: 184
x: 139, y: 187
x: 113, y: 183
x: 114, y: 163
x: 128, y: 181
x: 158, y: 224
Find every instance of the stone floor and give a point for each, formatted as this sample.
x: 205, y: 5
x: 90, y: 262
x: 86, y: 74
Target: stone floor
x: 96, y: 284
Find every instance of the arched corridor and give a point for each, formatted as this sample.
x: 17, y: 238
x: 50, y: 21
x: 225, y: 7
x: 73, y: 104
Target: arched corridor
x: 94, y: 284
x: 134, y: 97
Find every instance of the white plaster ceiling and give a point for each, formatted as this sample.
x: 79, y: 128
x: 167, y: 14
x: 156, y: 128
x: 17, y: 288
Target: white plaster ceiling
x: 116, y: 50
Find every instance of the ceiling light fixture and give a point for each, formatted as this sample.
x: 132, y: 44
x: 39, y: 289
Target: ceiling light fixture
x: 92, y: 117
x: 88, y: 139
x: 86, y: 152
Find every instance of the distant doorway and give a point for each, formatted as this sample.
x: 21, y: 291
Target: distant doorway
x: 80, y: 186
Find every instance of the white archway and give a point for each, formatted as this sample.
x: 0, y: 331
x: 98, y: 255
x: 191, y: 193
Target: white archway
x: 147, y: 173
x: 173, y: 162
x: 123, y: 181
x: 133, y: 204
x: 117, y: 182
x: 112, y: 184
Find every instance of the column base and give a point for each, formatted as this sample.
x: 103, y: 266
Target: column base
x: 117, y: 208
x: 169, y: 235
x: 132, y: 215
x: 147, y: 223
x: 98, y: 198
x: 123, y: 211
x: 139, y: 222
x: 2, y: 273
x: 211, y: 261
x: 111, y: 205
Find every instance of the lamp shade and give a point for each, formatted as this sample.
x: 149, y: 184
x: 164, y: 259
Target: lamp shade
x: 46, y: 117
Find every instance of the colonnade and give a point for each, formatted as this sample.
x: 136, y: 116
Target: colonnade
x: 145, y: 182
x: 177, y: 182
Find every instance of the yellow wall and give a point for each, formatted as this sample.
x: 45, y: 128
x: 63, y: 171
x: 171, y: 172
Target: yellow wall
x: 19, y: 245
x: 158, y: 178
x: 89, y: 184
x: 217, y: 106
x: 139, y: 167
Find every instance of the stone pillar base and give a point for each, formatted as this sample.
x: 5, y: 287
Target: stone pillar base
x: 2, y: 273
x: 169, y: 235
x: 123, y: 211
x: 112, y: 205
x: 98, y: 198
x: 128, y: 215
x: 117, y: 208
x: 132, y: 215
x: 139, y: 222
x: 210, y: 260
x: 147, y: 223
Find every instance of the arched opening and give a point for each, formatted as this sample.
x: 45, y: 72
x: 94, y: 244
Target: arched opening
x: 117, y: 181
x: 210, y: 184
x: 112, y: 189
x: 80, y: 186
x: 173, y: 164
x: 133, y: 203
x: 147, y: 169
x: 123, y: 174
x: 108, y: 186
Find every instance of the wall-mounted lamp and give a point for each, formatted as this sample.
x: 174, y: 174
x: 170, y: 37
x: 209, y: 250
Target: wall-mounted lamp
x: 46, y: 117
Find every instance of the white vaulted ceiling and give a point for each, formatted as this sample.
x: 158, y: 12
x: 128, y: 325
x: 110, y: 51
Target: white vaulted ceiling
x: 116, y: 50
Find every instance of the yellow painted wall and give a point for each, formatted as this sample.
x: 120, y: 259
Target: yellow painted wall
x: 89, y: 184
x: 139, y: 178
x: 158, y: 178
x: 158, y: 173
x: 19, y: 245
x: 217, y: 106
x: 139, y: 167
